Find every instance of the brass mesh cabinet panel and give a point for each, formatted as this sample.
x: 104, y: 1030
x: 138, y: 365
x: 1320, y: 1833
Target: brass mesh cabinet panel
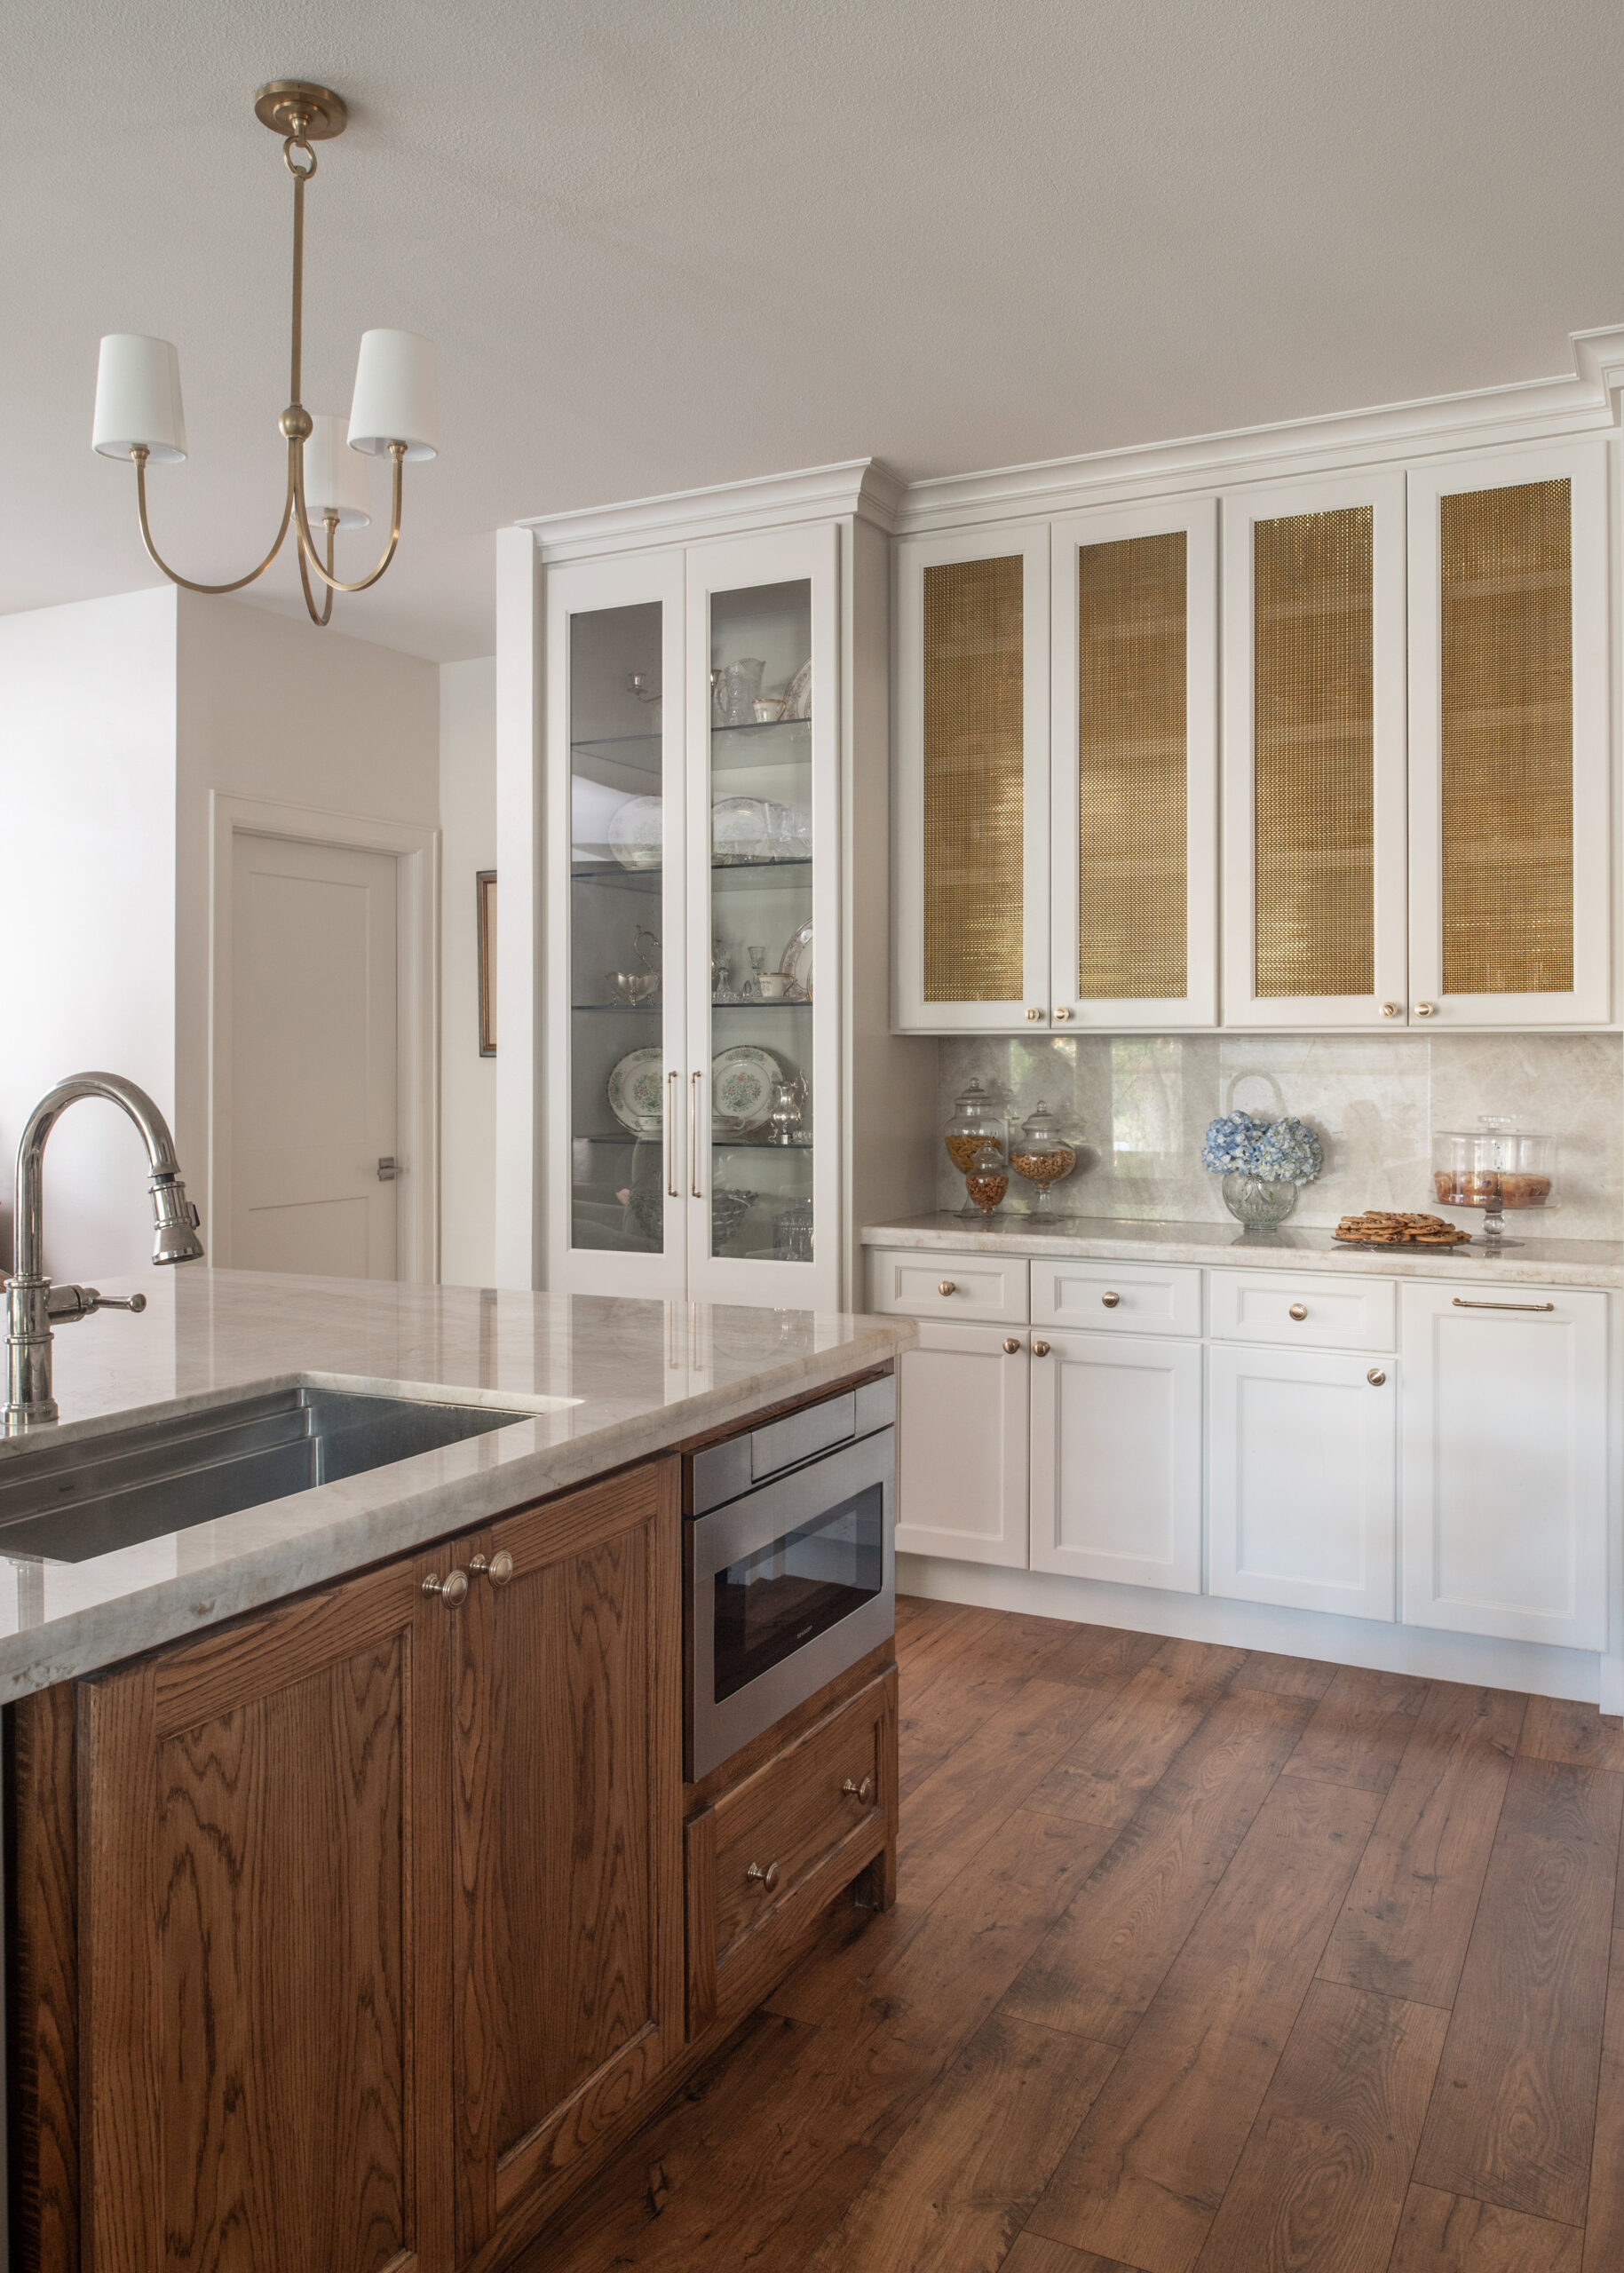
x: 974, y: 780
x: 1314, y: 804
x: 1505, y: 739
x: 1133, y: 859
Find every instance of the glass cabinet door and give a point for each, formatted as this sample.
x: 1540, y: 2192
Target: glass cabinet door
x: 763, y: 1134
x: 616, y: 1006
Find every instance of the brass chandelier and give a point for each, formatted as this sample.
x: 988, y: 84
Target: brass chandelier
x: 394, y: 411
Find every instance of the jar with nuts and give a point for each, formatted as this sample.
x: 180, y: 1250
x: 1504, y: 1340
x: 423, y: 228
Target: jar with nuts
x: 987, y: 1179
x: 1040, y: 1154
x: 976, y: 1121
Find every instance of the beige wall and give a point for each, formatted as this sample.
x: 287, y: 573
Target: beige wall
x: 468, y: 1081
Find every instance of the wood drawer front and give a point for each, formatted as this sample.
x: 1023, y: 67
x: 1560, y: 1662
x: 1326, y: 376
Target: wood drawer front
x: 1118, y: 1298
x: 1337, y: 1313
x: 911, y: 1284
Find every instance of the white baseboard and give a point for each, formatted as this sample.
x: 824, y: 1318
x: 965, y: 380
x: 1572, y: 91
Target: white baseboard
x: 1532, y: 1665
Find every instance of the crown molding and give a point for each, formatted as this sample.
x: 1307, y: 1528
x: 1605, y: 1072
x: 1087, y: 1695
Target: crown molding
x: 1529, y: 410
x: 862, y: 487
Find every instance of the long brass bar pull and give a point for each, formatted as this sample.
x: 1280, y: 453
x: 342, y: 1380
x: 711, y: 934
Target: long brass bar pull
x: 1461, y: 1304
x: 671, y: 1191
x: 693, y: 1137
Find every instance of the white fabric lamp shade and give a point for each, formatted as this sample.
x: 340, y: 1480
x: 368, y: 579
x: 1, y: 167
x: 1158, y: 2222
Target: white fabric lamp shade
x: 397, y: 397
x: 335, y: 476
x: 137, y: 400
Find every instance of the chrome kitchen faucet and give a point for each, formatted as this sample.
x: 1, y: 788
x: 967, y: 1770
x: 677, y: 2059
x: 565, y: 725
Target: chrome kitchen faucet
x: 34, y: 1307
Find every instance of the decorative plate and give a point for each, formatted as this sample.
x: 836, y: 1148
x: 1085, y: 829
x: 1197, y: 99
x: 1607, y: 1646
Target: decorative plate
x: 742, y: 1081
x: 634, y: 831
x: 637, y: 1092
x: 795, y: 963
x: 740, y: 829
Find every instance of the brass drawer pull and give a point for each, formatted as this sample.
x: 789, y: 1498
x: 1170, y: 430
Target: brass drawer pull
x: 1461, y: 1304
x: 1390, y: 1009
x: 1040, y: 1349
x: 863, y: 1792
x: 946, y: 1286
x: 1033, y: 1017
x: 1375, y: 1377
x: 499, y: 1570
x: 1012, y: 1347
x: 1299, y: 1310
x: 1110, y: 1300
x: 767, y: 1879
x: 1061, y: 1014
x: 451, y: 1590
x: 1425, y: 1010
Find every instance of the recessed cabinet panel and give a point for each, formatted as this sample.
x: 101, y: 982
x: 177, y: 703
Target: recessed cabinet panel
x: 961, y: 1450
x: 972, y: 742
x: 1314, y: 799
x: 908, y: 1283
x: 1117, y: 1297
x: 1314, y: 1312
x: 1509, y: 740
x: 1116, y: 1460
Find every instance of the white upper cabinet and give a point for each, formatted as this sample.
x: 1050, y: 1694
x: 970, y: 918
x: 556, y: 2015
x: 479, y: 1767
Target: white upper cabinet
x: 1314, y: 753
x: 1134, y: 766
x: 973, y: 887
x: 1509, y: 838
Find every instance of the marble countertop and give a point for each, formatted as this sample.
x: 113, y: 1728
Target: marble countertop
x: 603, y: 1382
x: 1536, y: 1262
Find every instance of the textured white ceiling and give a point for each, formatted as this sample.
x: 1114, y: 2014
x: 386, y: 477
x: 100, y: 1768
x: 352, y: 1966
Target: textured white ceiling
x: 668, y: 243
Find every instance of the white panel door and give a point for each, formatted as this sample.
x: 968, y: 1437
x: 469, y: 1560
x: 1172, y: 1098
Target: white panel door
x: 1504, y: 1468
x: 1511, y: 845
x: 1116, y: 1459
x: 1136, y: 697
x: 312, y: 1058
x: 962, y: 1422
x: 1303, y: 1490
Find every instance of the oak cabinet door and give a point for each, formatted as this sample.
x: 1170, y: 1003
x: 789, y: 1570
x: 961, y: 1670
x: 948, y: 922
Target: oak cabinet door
x: 961, y: 1450
x: 1303, y: 1490
x: 1116, y: 1458
x: 264, y: 1934
x: 1505, y: 1463
x: 567, y: 1938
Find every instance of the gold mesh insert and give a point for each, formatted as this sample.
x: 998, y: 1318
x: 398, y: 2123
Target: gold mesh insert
x: 1313, y: 815
x: 1506, y: 740
x: 1132, y: 859
x: 974, y: 654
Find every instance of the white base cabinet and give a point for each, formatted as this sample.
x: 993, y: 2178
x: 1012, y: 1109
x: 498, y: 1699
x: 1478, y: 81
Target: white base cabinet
x: 1116, y: 1459
x: 1505, y: 1463
x: 961, y: 1449
x: 1303, y: 1492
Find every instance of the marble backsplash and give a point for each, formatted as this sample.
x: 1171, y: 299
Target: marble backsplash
x: 1137, y: 1106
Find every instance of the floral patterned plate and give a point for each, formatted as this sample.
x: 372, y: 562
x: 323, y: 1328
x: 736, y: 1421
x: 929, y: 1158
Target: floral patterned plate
x: 637, y: 1092
x: 742, y: 1084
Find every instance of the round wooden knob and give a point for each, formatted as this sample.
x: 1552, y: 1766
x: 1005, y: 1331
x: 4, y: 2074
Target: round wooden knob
x: 946, y: 1286
x: 1299, y: 1310
x: 1012, y: 1347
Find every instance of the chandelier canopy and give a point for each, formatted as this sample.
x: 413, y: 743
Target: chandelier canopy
x: 394, y: 412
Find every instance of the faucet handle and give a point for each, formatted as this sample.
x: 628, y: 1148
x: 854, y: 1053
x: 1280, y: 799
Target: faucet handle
x: 63, y: 1304
x: 136, y: 1302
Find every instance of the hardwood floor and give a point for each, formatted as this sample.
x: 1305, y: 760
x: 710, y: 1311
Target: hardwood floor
x: 1202, y: 1961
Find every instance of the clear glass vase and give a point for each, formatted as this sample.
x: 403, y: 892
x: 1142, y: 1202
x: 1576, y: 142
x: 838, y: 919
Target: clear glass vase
x: 1261, y: 1207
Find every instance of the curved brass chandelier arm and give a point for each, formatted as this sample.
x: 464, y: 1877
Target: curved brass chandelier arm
x: 186, y: 583
x: 307, y: 548
x: 322, y: 618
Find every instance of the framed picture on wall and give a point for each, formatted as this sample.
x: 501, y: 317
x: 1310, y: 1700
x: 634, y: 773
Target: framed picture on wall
x: 485, y: 886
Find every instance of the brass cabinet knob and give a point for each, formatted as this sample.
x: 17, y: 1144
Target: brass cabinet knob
x: 1012, y: 1347
x: 863, y: 1791
x: 1040, y: 1349
x: 768, y: 1878
x: 1061, y: 1014
x: 946, y: 1286
x: 451, y: 1590
x: 1111, y: 1300
x: 499, y: 1570
x: 1033, y: 1017
x: 1299, y: 1310
x: 1390, y: 1009
x: 1425, y: 1010
x: 1375, y: 1377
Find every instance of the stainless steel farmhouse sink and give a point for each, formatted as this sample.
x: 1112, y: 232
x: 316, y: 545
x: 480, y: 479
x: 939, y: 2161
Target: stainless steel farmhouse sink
x: 65, y: 1501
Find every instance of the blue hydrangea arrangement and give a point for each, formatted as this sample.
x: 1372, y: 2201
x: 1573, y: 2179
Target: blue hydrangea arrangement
x: 1276, y: 1151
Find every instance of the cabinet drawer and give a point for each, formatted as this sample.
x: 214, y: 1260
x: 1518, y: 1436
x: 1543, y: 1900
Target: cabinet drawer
x: 990, y: 1286
x: 805, y: 1835
x: 1117, y: 1297
x: 1336, y: 1313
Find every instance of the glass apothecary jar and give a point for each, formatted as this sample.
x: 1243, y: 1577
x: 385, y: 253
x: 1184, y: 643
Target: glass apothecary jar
x: 1495, y: 1167
x: 1040, y: 1154
x: 987, y: 1179
x: 976, y: 1121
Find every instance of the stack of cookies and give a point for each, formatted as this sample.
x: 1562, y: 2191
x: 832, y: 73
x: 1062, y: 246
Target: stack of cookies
x: 1378, y: 1227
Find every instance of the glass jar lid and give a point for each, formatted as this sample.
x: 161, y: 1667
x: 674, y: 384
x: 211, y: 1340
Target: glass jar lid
x: 1042, y: 1126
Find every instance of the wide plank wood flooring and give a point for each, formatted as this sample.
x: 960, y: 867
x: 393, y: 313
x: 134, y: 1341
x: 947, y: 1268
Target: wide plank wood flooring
x: 1202, y: 1961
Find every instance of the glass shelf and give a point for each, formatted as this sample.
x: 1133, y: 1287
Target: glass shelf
x: 654, y: 1009
x: 775, y: 741
x: 722, y: 873
x: 718, y: 1143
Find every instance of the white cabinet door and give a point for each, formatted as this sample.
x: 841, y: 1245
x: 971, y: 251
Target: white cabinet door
x: 1134, y: 762
x: 1116, y: 1459
x: 1504, y: 1462
x: 962, y: 1444
x: 1314, y: 898
x: 1510, y: 841
x: 1302, y: 1491
x: 971, y: 817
